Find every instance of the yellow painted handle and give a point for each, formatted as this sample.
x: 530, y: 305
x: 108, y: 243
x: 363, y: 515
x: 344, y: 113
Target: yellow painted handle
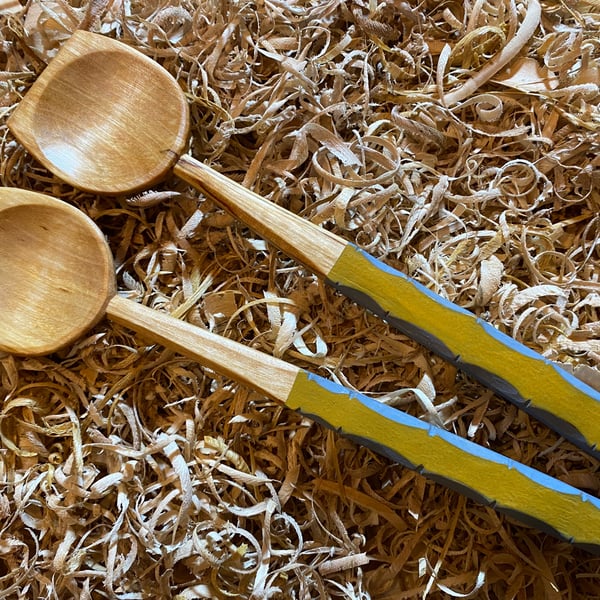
x: 530, y: 496
x: 526, y: 494
x: 510, y: 369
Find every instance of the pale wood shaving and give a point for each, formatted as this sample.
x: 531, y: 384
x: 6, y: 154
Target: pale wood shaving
x: 456, y: 141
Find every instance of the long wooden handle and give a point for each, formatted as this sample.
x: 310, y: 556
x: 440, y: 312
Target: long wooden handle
x: 530, y: 496
x: 509, y: 368
x: 271, y: 377
x: 314, y: 247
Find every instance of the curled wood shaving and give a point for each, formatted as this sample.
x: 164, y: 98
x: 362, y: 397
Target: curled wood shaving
x: 458, y: 143
x: 530, y: 22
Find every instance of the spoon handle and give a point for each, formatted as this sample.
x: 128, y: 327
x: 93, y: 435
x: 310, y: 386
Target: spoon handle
x: 481, y: 474
x: 316, y: 248
x: 510, y: 369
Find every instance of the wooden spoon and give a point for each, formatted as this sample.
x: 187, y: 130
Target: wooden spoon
x: 58, y: 281
x: 108, y: 119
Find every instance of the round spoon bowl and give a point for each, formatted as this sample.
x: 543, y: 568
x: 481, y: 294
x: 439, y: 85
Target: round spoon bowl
x: 104, y: 118
x: 56, y: 271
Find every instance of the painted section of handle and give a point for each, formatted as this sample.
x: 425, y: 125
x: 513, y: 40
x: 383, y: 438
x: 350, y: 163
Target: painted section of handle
x: 526, y: 494
x: 513, y: 371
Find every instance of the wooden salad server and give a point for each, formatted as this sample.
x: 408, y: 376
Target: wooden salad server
x: 107, y: 119
x: 58, y: 280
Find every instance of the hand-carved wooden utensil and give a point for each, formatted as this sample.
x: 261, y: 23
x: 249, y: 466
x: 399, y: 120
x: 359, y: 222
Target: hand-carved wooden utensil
x: 57, y: 280
x: 108, y: 119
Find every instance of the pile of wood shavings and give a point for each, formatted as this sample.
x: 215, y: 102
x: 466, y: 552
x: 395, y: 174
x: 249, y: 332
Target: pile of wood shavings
x: 129, y: 472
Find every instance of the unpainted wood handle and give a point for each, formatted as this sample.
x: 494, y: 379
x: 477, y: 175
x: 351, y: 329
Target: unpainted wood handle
x: 314, y: 247
x: 490, y: 478
x: 271, y: 377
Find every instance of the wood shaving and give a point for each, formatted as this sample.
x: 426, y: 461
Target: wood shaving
x: 458, y: 142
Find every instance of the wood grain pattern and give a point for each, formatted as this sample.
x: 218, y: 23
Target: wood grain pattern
x: 314, y: 247
x: 56, y: 276
x: 271, y: 377
x: 103, y: 117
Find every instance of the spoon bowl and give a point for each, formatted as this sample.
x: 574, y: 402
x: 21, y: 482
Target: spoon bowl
x: 48, y: 303
x: 91, y: 117
x: 58, y: 281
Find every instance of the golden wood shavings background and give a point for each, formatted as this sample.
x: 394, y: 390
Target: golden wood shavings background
x: 128, y: 472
